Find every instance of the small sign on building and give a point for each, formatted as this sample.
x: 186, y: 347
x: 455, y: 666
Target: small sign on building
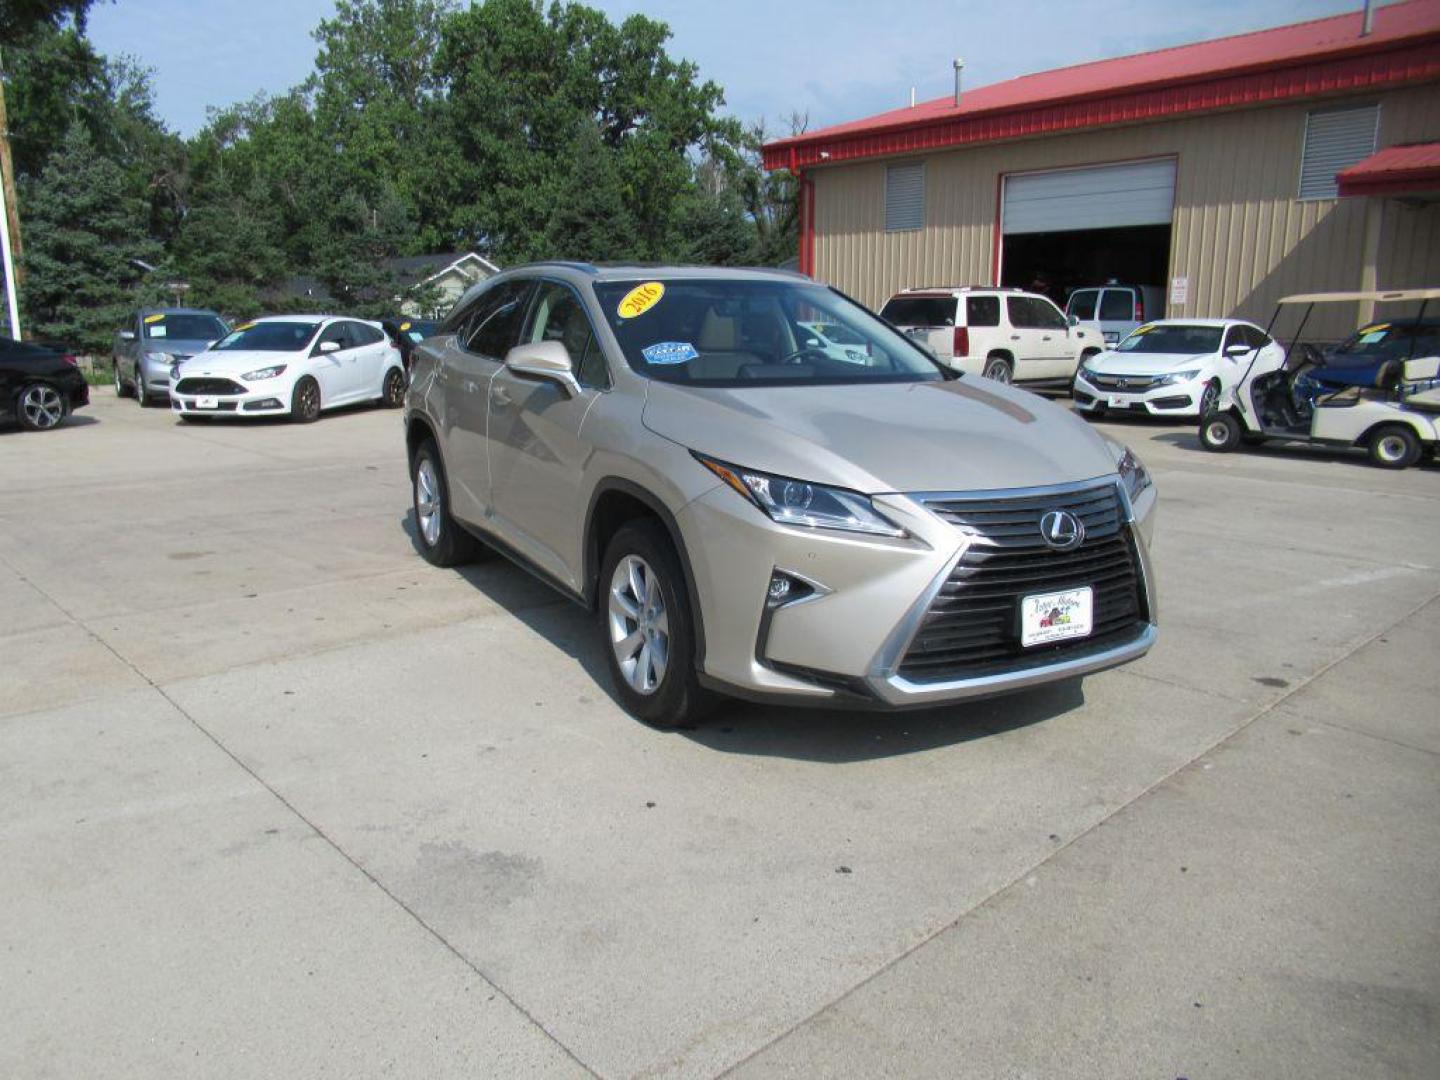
x: 1179, y: 291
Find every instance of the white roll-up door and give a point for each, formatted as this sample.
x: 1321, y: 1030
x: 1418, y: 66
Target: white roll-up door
x: 1104, y: 197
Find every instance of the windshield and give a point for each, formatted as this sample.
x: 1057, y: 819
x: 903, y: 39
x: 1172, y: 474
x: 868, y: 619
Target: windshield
x: 418, y: 330
x: 739, y: 333
x: 919, y: 310
x: 269, y: 337
x: 1172, y: 338
x: 185, y: 327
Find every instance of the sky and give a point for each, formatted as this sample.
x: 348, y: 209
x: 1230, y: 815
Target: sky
x: 830, y: 61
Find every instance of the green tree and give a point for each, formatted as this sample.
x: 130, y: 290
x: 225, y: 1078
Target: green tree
x: 84, y: 233
x: 18, y: 18
x: 591, y: 221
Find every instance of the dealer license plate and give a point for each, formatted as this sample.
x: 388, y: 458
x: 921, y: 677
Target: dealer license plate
x: 1118, y: 402
x: 1047, y: 617
x: 207, y: 402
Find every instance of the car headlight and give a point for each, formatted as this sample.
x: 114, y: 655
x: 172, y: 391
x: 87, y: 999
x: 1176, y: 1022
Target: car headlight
x: 1087, y: 370
x: 801, y: 503
x: 1133, y: 473
x: 264, y: 373
x: 159, y: 358
x: 1176, y: 377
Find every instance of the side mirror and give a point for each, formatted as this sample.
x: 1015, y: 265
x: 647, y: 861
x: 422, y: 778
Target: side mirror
x: 1237, y: 350
x: 127, y: 335
x: 328, y: 347
x: 548, y: 360
x: 1074, y: 320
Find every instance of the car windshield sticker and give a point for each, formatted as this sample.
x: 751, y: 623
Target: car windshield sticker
x: 1372, y: 334
x: 404, y: 326
x: 640, y: 299
x: 243, y: 326
x: 154, y: 318
x: 1142, y: 330
x: 669, y: 352
x: 156, y: 331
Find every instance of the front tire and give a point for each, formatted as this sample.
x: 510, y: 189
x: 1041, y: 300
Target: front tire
x: 392, y: 394
x: 441, y: 540
x: 40, y: 407
x: 142, y: 394
x: 647, y: 631
x: 998, y: 369
x: 1394, y: 446
x: 1209, y: 398
x: 1221, y: 432
x: 305, y: 401
x: 121, y: 390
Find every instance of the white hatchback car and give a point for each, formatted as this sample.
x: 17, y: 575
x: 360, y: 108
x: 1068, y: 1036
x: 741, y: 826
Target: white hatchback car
x: 292, y: 365
x: 1170, y: 367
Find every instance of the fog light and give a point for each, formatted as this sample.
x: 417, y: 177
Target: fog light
x: 787, y: 589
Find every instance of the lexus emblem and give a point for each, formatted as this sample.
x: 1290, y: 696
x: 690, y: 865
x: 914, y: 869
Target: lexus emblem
x: 1061, y: 529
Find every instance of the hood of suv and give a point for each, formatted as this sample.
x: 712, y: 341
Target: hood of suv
x: 962, y: 435
x: 1112, y: 363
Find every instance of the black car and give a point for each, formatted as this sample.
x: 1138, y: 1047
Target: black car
x: 406, y: 333
x: 39, y: 385
x: 1358, y: 360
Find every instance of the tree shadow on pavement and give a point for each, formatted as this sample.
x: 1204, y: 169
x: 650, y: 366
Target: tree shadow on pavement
x: 832, y: 736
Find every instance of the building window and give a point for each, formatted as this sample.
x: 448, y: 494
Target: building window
x: 1335, y: 139
x: 904, y: 197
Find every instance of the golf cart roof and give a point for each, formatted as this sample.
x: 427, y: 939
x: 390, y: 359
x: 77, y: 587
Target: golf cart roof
x: 1379, y: 297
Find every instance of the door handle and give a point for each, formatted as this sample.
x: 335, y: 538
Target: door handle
x: 500, y: 396
x: 1045, y: 338
x: 1014, y: 337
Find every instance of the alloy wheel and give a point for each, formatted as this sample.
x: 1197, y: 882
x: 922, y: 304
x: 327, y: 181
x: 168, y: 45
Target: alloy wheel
x: 394, y: 388
x: 1209, y: 399
x: 639, y: 624
x: 998, y: 370
x: 309, y: 400
x: 427, y: 502
x: 43, y: 407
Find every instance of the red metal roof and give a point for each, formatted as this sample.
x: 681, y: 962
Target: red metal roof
x: 1395, y: 170
x: 1302, y: 59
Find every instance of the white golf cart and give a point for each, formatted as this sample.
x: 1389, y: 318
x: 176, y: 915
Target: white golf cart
x: 1395, y: 414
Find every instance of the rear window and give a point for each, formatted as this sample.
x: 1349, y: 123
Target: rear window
x: 1117, y: 304
x: 919, y: 311
x: 1082, y: 303
x: 982, y: 311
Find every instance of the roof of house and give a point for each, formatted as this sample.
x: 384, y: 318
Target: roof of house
x: 1396, y: 170
x: 1299, y: 60
x: 408, y: 270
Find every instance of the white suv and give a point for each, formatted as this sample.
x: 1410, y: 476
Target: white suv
x: 1004, y: 334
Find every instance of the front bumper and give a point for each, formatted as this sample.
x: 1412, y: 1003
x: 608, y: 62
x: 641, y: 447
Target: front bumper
x: 241, y: 399
x: 846, y: 642
x: 1172, y: 399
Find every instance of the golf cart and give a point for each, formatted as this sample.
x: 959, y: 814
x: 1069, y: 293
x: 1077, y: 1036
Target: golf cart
x: 1395, y: 415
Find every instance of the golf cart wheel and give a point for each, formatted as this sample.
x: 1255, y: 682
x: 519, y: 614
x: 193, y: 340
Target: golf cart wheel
x: 998, y: 369
x: 1394, y: 447
x: 1220, y: 432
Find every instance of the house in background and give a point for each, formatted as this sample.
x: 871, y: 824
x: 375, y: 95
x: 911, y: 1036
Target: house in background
x: 1229, y: 173
x: 429, y: 284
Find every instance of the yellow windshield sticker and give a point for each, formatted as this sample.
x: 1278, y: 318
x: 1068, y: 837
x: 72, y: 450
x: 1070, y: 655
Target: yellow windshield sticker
x: 1142, y: 329
x: 1376, y: 328
x: 405, y: 325
x: 242, y: 326
x: 154, y: 318
x: 640, y: 299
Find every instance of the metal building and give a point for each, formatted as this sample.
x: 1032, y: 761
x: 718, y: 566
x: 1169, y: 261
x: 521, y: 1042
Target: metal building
x: 1208, y: 169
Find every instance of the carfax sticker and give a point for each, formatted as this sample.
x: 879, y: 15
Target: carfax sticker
x: 640, y: 299
x: 154, y: 318
x: 669, y: 352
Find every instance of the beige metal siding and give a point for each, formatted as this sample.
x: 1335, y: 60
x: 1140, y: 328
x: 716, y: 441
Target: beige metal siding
x: 1240, y: 233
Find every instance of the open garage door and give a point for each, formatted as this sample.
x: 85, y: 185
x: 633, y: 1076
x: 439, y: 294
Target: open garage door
x: 1073, y: 227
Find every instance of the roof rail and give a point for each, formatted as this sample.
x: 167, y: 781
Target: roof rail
x: 573, y: 264
x: 963, y: 288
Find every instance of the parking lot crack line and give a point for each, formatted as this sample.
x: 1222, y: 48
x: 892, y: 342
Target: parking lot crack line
x: 315, y: 828
x: 1370, y: 735
x: 986, y: 900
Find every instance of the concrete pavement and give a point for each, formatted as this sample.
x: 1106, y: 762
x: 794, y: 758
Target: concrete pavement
x: 278, y: 798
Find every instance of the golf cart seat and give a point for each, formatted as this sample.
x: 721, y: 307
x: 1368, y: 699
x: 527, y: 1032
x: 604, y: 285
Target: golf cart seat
x: 1421, y: 384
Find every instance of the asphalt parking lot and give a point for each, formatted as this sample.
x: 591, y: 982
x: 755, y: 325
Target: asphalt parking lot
x: 279, y: 799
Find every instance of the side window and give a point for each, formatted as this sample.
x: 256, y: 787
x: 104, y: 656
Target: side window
x: 334, y: 332
x: 1082, y: 303
x: 495, y: 326
x: 1048, y: 315
x: 1022, y: 316
x: 1117, y: 304
x: 982, y: 311
x: 363, y: 334
x: 558, y: 315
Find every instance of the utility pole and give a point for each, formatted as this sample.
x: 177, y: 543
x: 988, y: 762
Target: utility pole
x: 9, y: 202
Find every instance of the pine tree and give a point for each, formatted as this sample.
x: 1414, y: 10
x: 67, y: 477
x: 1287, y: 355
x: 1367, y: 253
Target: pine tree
x: 591, y: 221
x: 83, y: 235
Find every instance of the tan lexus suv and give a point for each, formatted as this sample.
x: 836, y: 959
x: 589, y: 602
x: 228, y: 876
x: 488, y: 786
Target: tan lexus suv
x: 750, y: 511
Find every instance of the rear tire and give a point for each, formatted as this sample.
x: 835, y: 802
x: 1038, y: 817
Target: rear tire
x: 40, y: 407
x: 392, y: 394
x: 998, y: 369
x: 1394, y: 446
x: 439, y: 537
x: 1220, y: 432
x: 305, y: 401
x: 647, y: 631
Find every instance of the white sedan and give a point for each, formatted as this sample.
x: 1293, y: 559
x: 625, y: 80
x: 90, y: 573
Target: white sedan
x: 293, y: 365
x: 1170, y: 367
